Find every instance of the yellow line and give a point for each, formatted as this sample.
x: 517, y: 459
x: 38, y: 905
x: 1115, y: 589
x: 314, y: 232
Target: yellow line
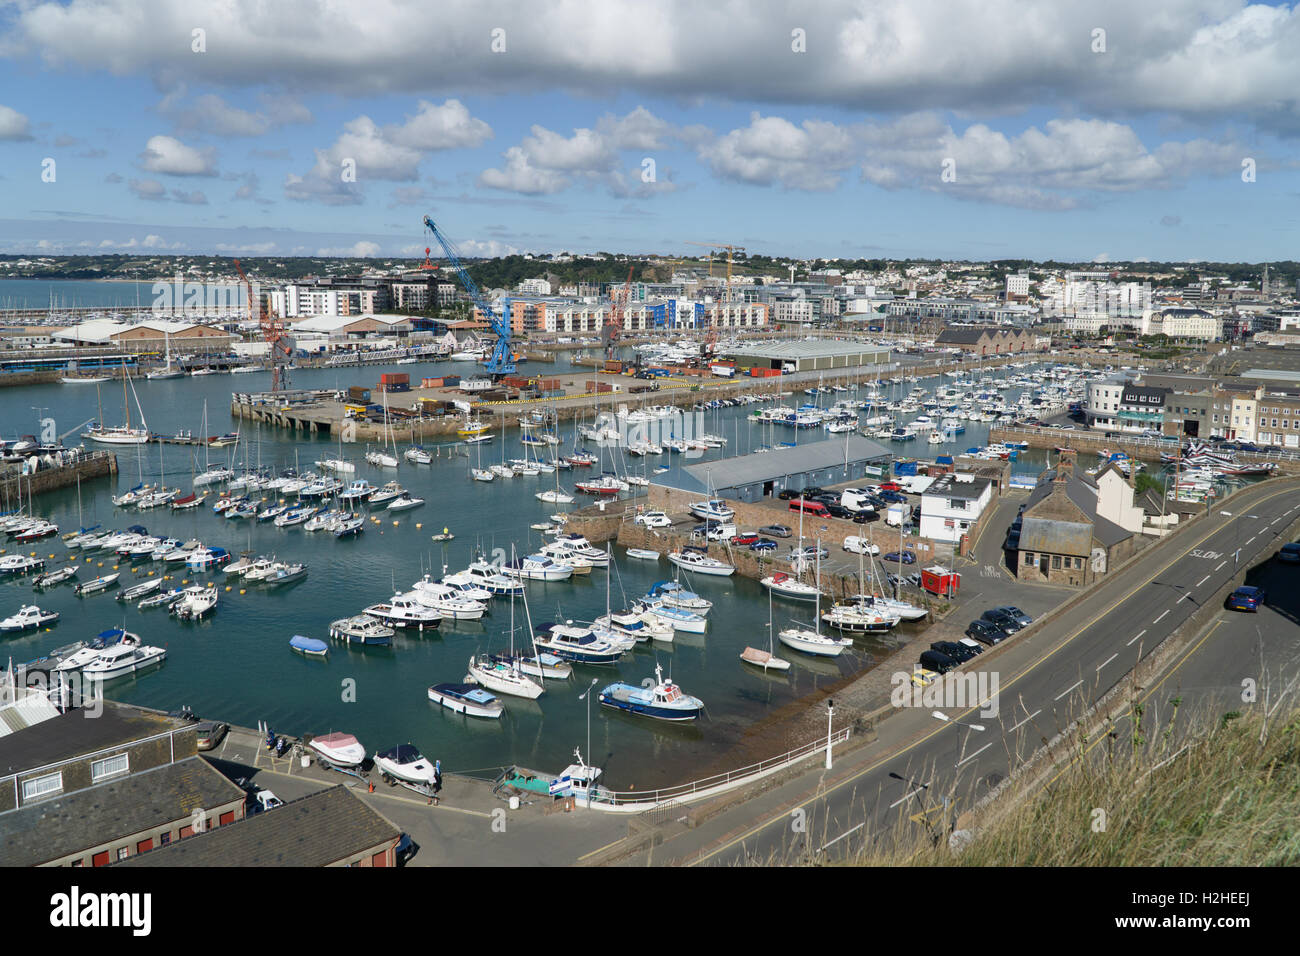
x: 891, y: 756
x: 601, y: 849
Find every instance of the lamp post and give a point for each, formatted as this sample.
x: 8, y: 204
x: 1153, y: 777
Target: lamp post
x: 830, y: 714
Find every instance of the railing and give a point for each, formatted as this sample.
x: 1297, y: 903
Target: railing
x: 718, y: 783
x: 1168, y: 444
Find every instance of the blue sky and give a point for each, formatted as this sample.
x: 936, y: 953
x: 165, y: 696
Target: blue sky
x: 1059, y: 141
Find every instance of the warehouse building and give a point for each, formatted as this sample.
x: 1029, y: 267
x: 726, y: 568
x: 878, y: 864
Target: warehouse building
x: 814, y: 356
x: 754, y: 477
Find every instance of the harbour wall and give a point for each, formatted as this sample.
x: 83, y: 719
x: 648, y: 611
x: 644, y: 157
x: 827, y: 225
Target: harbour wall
x: 96, y: 464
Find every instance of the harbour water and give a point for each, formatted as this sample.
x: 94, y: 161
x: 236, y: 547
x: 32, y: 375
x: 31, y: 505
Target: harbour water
x: 238, y: 666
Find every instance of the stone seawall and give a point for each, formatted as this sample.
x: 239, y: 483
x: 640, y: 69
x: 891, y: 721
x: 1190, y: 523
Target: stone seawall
x: 13, y: 484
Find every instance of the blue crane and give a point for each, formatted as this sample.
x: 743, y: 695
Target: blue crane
x: 502, y: 360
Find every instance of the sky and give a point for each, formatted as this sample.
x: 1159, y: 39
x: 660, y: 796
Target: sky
x: 1082, y: 131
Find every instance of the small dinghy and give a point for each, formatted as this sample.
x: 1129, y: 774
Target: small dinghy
x: 139, y: 590
x: 309, y: 646
x: 51, y: 578
x: 158, y: 600
x: 102, y: 583
x: 643, y: 554
x: 469, y: 699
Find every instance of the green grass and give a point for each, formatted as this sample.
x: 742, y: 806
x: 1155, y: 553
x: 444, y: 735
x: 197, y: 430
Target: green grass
x: 1228, y: 798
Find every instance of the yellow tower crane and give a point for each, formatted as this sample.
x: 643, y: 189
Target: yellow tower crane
x: 730, y: 249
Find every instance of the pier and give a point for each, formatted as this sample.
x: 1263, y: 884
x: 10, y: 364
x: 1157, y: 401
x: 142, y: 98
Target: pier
x: 77, y: 465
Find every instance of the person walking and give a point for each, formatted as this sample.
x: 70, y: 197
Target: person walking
x: 437, y: 781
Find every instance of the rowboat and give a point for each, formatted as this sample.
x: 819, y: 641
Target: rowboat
x: 98, y: 584
x: 309, y: 646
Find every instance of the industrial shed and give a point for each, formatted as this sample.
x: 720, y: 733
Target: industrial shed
x: 812, y: 356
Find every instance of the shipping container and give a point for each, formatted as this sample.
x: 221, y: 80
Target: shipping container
x: 432, y: 383
x: 394, y: 378
x: 613, y: 366
x: 358, y: 393
x: 941, y: 581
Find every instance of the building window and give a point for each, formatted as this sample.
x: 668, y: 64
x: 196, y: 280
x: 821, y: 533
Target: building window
x: 42, y: 786
x: 164, y: 838
x: 1029, y: 557
x: 1056, y: 562
x: 123, y: 852
x: 108, y: 767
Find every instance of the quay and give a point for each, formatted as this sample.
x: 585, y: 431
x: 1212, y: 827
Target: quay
x: 76, y: 465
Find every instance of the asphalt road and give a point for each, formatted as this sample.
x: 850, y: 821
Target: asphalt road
x: 921, y: 771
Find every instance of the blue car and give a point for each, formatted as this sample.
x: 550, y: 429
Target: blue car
x: 893, y: 497
x: 1245, y: 598
x: 763, y: 544
x: 906, y: 557
x: 1290, y: 553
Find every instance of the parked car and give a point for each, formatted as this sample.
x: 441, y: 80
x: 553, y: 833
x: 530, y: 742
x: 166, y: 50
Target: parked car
x: 810, y: 552
x: 775, y: 530
x: 653, y: 519
x: 405, y: 849
x: 961, y: 653
x: 785, y: 494
x: 744, y: 537
x: 865, y: 517
x: 903, y: 557
x: 986, y: 632
x: 855, y: 545
x: 1289, y: 553
x: 1245, y: 598
x: 922, y: 677
x: 1023, y: 619
x: 893, y: 497
x: 973, y: 646
x: 890, y: 486
x: 210, y: 733
x: 763, y: 544
x: 937, y: 662
x: 838, y: 511
x: 1002, y: 620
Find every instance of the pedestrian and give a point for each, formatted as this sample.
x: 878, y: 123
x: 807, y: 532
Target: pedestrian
x: 437, y: 780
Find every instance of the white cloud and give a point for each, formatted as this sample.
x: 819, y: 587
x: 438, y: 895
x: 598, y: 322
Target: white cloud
x: 246, y: 249
x: 147, y: 189
x: 1196, y: 58
x: 357, y: 250
x: 773, y: 151
x: 391, y: 153
x: 168, y: 155
x: 13, y: 125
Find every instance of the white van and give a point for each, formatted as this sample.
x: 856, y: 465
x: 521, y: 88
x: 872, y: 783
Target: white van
x: 856, y: 545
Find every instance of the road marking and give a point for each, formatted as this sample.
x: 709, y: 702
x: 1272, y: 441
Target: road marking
x: 1186, y: 595
x: 1251, y: 538
x: 1162, y: 614
x: 1135, y: 637
x: 1221, y: 564
x: 842, y: 836
x: 1107, y: 661
x: 1068, y: 689
x: 906, y: 796
x: 1275, y: 520
x: 974, y: 755
x: 1202, y: 581
x: 1026, y: 720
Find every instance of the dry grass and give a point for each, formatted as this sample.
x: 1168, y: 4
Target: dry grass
x: 1229, y: 797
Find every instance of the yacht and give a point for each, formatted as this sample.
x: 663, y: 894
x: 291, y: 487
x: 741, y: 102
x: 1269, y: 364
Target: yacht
x: 673, y: 594
x: 484, y: 575
x: 122, y: 659
x: 446, y: 600
x: 361, y: 629
x: 503, y: 675
x: 27, y: 617
x: 696, y: 560
x: 576, y: 644
x: 784, y: 585
x: 537, y: 567
x: 358, y: 491
x: 391, y: 491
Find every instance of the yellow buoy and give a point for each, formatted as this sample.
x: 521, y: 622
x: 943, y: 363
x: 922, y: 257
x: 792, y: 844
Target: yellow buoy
x: 100, y: 565
x: 241, y: 590
x: 228, y: 589
x: 419, y: 525
x: 395, y: 524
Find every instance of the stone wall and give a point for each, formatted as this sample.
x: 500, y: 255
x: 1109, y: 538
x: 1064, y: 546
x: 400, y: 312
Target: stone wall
x: 12, y: 482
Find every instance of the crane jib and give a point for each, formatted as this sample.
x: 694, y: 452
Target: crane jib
x: 502, y: 360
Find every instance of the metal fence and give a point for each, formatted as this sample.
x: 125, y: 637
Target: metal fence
x: 1168, y: 444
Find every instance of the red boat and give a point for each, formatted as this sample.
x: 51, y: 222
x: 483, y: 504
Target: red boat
x: 580, y: 459
x: 600, y: 486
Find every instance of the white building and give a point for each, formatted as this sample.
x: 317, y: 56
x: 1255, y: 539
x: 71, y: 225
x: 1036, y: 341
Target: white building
x: 1104, y: 400
x: 535, y: 287
x: 952, y: 504
x: 1018, y: 286
x: 1182, y: 324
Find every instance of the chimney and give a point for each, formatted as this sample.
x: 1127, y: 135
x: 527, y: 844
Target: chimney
x: 1065, y: 466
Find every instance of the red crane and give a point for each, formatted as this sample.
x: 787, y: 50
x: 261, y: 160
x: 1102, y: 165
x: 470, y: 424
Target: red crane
x: 273, y: 333
x: 613, y: 329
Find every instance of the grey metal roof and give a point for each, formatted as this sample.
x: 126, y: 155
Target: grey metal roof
x: 316, y: 830
x: 1055, y: 537
x: 772, y: 465
x: 808, y: 350
x: 75, y: 822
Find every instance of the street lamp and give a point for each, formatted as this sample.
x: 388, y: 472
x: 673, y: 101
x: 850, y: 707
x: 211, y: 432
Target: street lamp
x: 583, y: 696
x: 830, y: 714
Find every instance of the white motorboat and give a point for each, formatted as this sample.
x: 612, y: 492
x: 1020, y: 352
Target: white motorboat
x: 28, y: 616
x: 100, y: 583
x: 715, y: 509
x: 338, y: 750
x: 122, y: 659
x: 15, y: 564
x: 643, y: 554
x: 576, y: 644
x: 404, y: 762
x: 446, y: 600
x: 672, y: 594
x: 51, y: 578
x: 91, y: 650
x: 485, y: 575
x: 405, y: 610
x: 140, y: 590
x: 358, y: 491
x: 196, y: 601
x: 361, y: 629
x: 537, y: 567
x: 678, y: 618
x: 637, y: 626
x: 404, y: 502
x: 662, y: 699
x: 696, y: 560
x: 418, y: 455
x: 390, y: 491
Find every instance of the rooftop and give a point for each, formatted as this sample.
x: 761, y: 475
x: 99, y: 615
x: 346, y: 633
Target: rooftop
x: 76, y: 733
x: 316, y: 830
x: 807, y: 350
x: 772, y: 465
x: 959, y: 485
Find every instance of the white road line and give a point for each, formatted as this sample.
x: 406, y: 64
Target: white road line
x: 906, y: 796
x: 1251, y: 538
x: 1202, y: 581
x: 842, y: 836
x: 1026, y: 720
x: 1275, y: 520
x: 1135, y: 637
x: 1186, y: 595
x: 1221, y: 564
x: 1107, y: 661
x: 1162, y: 614
x: 1067, y: 690
x: 974, y: 755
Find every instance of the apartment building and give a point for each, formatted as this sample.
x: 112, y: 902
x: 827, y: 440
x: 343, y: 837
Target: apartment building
x: 1180, y: 323
x: 1233, y: 413
x: 1277, y: 419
